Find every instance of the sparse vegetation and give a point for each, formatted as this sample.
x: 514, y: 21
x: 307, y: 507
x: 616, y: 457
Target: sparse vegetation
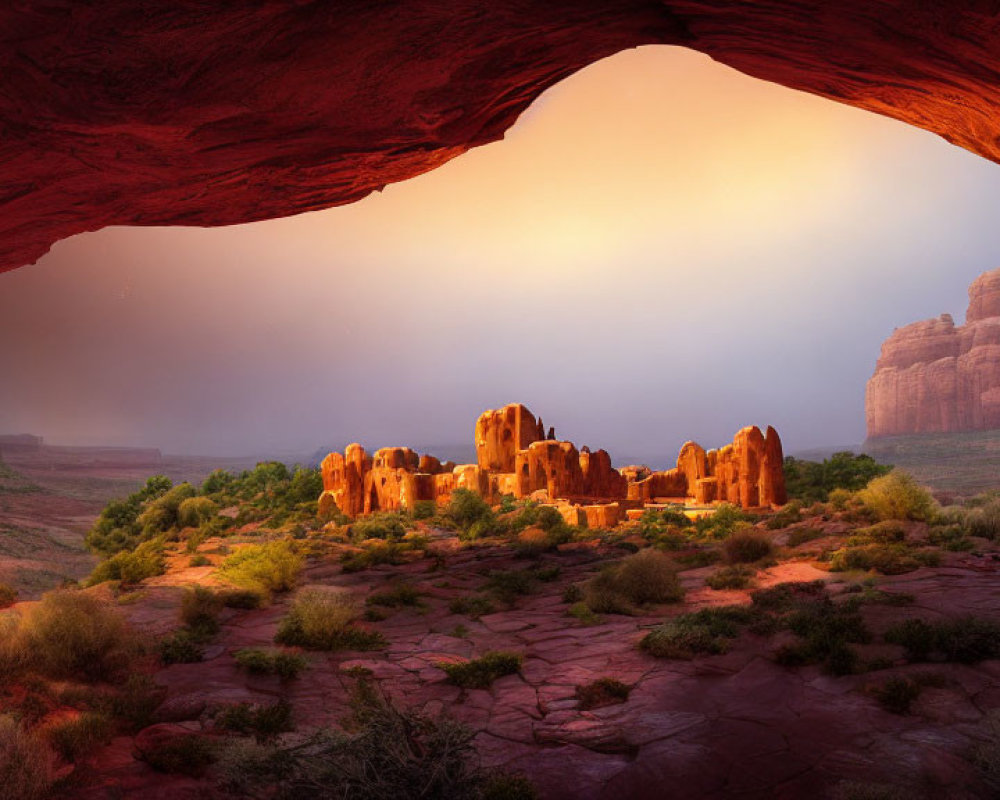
x: 264, y: 568
x: 745, y: 547
x: 395, y: 596
x: 326, y: 620
x: 73, y: 737
x: 643, y: 578
x: 479, y: 673
x: 707, y: 631
x: 27, y: 765
x: 286, y: 666
x: 736, y: 576
x: 386, y: 752
x: 473, y: 606
x: 602, y: 692
x: 264, y: 722
x: 966, y: 640
x: 897, y: 694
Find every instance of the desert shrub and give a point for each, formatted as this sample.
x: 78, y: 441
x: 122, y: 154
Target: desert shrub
x: 800, y: 536
x: 199, y: 560
x: 785, y: 596
x: 466, y: 508
x: 131, y: 567
x: 200, y: 607
x: 984, y: 520
x: 27, y: 766
x: 745, y: 547
x: 184, y: 754
x: 602, y: 692
x: 473, y: 606
x: 195, y: 511
x: 825, y: 631
x: 811, y: 481
x: 286, y: 666
x: 325, y: 620
x: 706, y: 631
x: 888, y: 559
x: 897, y: 496
x: 372, y: 555
x: 266, y: 568
x: 117, y: 528
x: 966, y: 640
x: 264, y: 723
x: 582, y: 612
x: 897, y: 694
x: 788, y: 515
x: 388, y: 525
x: 654, y: 524
x: 424, y: 509
x: 401, y: 594
x: 699, y: 557
x: 950, y: 537
x: 76, y: 736
x: 736, y: 576
x: 724, y: 521
x: 509, y: 584
x: 645, y: 577
x: 241, y: 598
x: 385, y: 752
x: 888, y: 531
x: 162, y: 514
x: 181, y: 647
x: 479, y: 673
x: 8, y: 595
x: 72, y: 634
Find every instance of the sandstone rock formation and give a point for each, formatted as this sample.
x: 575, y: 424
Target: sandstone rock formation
x: 514, y: 458
x: 221, y: 113
x: 936, y: 377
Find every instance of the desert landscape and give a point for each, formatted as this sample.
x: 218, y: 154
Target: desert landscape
x: 353, y: 249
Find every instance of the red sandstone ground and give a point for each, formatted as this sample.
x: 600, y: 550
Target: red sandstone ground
x: 732, y: 725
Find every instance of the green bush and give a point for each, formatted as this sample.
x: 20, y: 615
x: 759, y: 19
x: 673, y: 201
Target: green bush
x: 479, y: 673
x: 898, y: 496
x: 200, y: 607
x: 73, y: 737
x: 707, y: 631
x: 888, y: 559
x: 27, y: 765
x: 655, y: 523
x: 325, y: 620
x: 195, y: 511
x: 811, y: 481
x: 788, y: 515
x: 185, y: 754
x: 117, y: 528
x: 966, y: 640
x: 265, y: 568
x: 897, y: 694
x: 286, y: 666
x: 264, y: 723
x: 181, y: 647
x: 162, y: 514
x: 726, y: 519
x: 643, y: 578
x: 199, y: 560
x: 401, y: 594
x: 389, y: 525
x: 73, y: 634
x: 473, y: 607
x: 745, y: 547
x: 602, y: 692
x: 146, y: 561
x: 241, y: 598
x: 736, y: 576
x: 889, y: 531
x: 466, y: 508
x: 424, y: 509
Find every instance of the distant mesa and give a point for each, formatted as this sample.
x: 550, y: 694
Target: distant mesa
x: 936, y: 377
x: 516, y: 456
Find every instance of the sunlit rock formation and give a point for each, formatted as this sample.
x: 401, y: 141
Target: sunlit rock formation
x: 166, y: 113
x: 936, y: 377
x: 515, y: 459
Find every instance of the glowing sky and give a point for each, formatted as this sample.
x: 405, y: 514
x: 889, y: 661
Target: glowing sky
x: 661, y: 249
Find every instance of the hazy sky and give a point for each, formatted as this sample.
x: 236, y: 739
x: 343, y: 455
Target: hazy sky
x: 661, y: 249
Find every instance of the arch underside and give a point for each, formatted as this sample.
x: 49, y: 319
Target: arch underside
x: 166, y: 113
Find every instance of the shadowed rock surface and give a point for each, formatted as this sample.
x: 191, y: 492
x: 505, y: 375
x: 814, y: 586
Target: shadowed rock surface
x: 157, y: 113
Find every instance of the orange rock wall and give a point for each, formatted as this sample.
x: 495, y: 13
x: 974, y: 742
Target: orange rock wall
x: 936, y: 377
x: 501, y: 434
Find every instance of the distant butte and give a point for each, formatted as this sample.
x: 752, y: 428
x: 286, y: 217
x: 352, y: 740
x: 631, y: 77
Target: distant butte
x: 166, y: 113
x: 516, y: 459
x: 936, y: 377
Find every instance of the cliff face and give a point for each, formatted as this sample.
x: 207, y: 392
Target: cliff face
x: 163, y: 113
x: 936, y: 377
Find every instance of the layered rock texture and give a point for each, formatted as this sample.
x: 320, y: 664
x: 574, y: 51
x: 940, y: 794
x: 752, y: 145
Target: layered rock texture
x: 513, y: 458
x: 165, y: 113
x: 936, y: 377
